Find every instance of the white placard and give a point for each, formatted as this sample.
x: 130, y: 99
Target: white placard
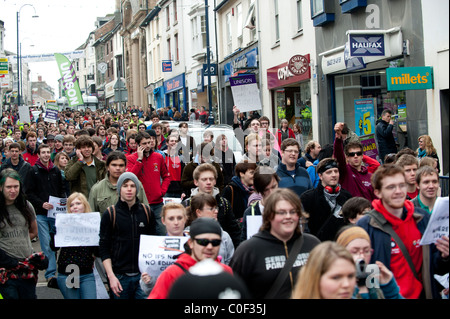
x: 156, y: 253
x: 73, y: 230
x: 246, y: 93
x: 59, y: 206
x: 171, y: 200
x: 438, y: 224
x: 253, y: 224
x: 24, y: 114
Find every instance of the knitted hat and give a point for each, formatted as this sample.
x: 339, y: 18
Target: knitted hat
x: 127, y: 176
x: 351, y: 234
x: 207, y: 280
x: 59, y: 137
x: 205, y: 225
x: 151, y: 132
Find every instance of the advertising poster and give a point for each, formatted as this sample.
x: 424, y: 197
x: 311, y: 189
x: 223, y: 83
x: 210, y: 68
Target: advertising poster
x: 369, y: 145
x: 364, y: 116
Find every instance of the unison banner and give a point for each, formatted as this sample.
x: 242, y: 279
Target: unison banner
x: 70, y: 81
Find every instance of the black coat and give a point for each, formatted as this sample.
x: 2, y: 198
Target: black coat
x: 385, y: 138
x: 316, y: 205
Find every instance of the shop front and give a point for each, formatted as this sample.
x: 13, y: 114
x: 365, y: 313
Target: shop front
x: 175, y: 92
x: 290, y: 89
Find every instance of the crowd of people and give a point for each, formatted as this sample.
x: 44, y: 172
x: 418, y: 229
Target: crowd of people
x: 287, y: 221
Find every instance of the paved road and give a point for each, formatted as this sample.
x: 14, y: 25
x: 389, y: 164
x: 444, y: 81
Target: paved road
x: 42, y: 291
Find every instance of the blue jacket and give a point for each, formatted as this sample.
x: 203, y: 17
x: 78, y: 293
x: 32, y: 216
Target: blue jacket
x: 432, y: 260
x: 299, y: 183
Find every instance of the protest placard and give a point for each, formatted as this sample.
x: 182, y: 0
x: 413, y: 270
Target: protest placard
x: 438, y: 224
x: 51, y: 113
x: 253, y: 225
x: 59, y: 206
x: 73, y: 230
x: 171, y: 200
x: 156, y: 253
x: 245, y: 93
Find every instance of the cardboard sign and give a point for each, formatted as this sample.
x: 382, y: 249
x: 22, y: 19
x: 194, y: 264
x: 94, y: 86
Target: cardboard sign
x: 438, y: 224
x: 246, y: 93
x: 156, y: 253
x: 253, y: 225
x: 73, y: 230
x: 59, y: 206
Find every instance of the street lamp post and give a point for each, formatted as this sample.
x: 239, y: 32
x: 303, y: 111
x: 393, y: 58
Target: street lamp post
x: 208, y: 62
x: 19, y: 68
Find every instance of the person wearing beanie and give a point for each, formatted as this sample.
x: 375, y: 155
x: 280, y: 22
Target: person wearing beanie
x: 59, y: 146
x: 356, y: 240
x: 150, y: 168
x: 203, y: 243
x: 120, y: 230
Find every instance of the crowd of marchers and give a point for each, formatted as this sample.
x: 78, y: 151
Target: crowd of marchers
x: 289, y: 220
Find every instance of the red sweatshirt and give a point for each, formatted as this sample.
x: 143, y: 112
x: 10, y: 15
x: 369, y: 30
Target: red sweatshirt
x: 410, y: 287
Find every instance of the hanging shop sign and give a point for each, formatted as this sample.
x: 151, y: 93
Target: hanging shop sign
x: 409, y: 78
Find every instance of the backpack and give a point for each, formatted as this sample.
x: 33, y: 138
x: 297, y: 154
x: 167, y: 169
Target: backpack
x: 114, y: 213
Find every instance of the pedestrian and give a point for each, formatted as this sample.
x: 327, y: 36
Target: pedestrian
x: 238, y: 191
x: 30, y: 154
x: 329, y: 273
x: 16, y: 162
x: 79, y: 284
x: 278, y: 248
x: 19, y: 265
x: 292, y: 175
x: 45, y: 180
x: 356, y: 240
x: 224, y: 156
x: 354, y: 209
x: 84, y: 169
x: 205, y: 176
x: 205, y: 205
x: 426, y: 148
x: 175, y: 164
x: 385, y: 138
x: 395, y: 217
x: 354, y: 175
x: 312, y: 150
x: 120, y: 230
x: 150, y: 168
x: 427, y: 180
x: 186, y: 143
x: 265, y: 181
x: 410, y: 165
x: 61, y: 161
x: 324, y: 203
x: 104, y: 193
x: 203, y: 243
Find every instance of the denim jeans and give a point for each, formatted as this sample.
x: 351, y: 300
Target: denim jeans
x: 131, y: 289
x: 45, y: 225
x: 18, y: 289
x: 86, y: 289
x: 156, y: 210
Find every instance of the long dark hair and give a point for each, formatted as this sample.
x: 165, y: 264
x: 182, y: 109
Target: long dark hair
x: 20, y: 202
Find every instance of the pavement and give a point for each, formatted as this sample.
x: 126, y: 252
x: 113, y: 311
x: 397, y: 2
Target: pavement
x: 42, y: 291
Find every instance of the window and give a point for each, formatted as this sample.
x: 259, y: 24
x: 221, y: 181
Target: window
x: 203, y: 30
x: 168, y: 16
x: 277, y: 21
x: 169, y: 50
x: 177, y: 53
x: 239, y: 24
x: 299, y: 16
x: 316, y: 7
x: 229, y: 39
x: 175, y: 12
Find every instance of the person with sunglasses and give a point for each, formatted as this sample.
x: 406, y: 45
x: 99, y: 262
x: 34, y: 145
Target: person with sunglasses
x: 354, y: 174
x: 204, y: 242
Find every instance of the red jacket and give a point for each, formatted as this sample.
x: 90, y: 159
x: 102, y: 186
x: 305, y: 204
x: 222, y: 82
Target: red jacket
x: 30, y: 158
x: 290, y: 135
x: 150, y: 172
x: 172, y: 273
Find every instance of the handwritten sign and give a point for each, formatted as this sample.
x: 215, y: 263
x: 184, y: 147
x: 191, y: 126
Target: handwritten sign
x: 245, y: 93
x: 59, y: 206
x: 253, y: 225
x: 156, y: 253
x: 73, y: 230
x: 438, y: 224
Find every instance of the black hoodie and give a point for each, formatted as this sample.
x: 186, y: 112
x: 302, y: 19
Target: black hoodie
x: 259, y: 260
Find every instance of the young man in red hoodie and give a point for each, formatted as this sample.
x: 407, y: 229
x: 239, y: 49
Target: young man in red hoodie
x: 409, y: 223
x: 204, y: 242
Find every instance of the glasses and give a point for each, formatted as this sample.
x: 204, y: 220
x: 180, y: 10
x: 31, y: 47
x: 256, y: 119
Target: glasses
x: 211, y: 209
x: 292, y: 151
x: 352, y: 154
x: 206, y: 242
x: 264, y: 123
x: 363, y: 251
x: 284, y: 213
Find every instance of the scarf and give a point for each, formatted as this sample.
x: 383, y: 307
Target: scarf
x: 422, y: 153
x: 332, y: 201
x: 50, y: 165
x: 24, y: 269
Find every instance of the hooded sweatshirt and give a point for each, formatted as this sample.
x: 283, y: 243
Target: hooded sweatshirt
x: 406, y: 229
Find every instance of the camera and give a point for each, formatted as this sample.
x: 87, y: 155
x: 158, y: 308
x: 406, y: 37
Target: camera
x: 361, y: 274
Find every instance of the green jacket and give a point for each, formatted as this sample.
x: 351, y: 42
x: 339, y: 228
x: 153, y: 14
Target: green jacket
x: 76, y: 176
x: 104, y: 194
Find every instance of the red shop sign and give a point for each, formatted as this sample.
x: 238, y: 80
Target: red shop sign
x: 297, y: 69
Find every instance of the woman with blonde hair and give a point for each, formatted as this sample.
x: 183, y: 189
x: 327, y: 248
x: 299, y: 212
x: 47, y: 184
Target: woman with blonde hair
x: 79, y: 284
x: 61, y: 160
x: 329, y: 273
x: 426, y: 148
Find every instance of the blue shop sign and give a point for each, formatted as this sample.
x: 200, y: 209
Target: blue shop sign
x: 174, y: 84
x: 366, y: 44
x: 247, y: 60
